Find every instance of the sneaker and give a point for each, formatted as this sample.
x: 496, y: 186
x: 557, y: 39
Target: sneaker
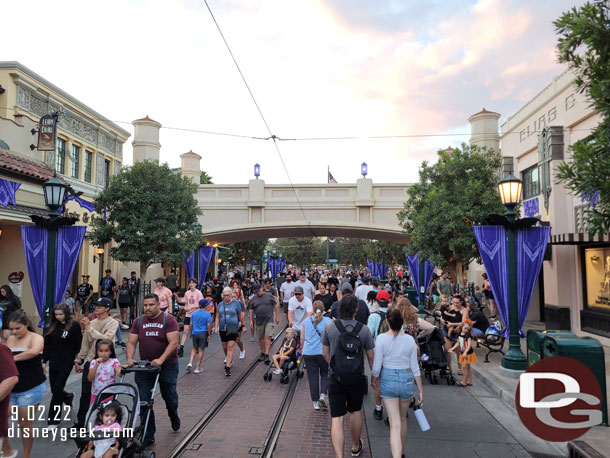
x: 124, y: 326
x: 12, y: 455
x: 121, y: 344
x: 69, y: 399
x: 267, y: 360
x: 189, y: 367
x: 51, y: 427
x: 198, y: 371
x: 225, y: 361
x: 322, y: 401
x: 378, y: 413
x: 227, y: 371
x: 278, y: 372
x: 316, y: 405
x: 359, y: 451
x: 261, y: 357
x: 180, y: 351
x: 252, y: 339
x: 242, y: 354
x: 175, y: 420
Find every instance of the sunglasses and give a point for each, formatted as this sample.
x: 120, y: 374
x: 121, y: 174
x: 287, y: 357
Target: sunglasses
x: 298, y: 294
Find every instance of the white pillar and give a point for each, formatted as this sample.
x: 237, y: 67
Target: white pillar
x: 484, y: 129
x: 146, y: 140
x: 191, y: 166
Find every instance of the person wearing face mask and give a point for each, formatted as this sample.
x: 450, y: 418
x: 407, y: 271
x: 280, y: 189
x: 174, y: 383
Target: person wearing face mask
x: 286, y: 292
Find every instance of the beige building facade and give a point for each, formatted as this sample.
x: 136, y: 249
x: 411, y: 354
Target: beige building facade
x: 573, y: 289
x: 88, y: 151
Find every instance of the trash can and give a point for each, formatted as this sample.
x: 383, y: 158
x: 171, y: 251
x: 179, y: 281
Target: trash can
x: 413, y: 296
x: 534, y: 343
x: 588, y: 351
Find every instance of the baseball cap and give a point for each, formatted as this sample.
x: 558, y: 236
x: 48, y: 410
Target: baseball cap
x: 383, y: 296
x: 104, y: 302
x: 204, y: 302
x: 347, y: 288
x: 160, y: 279
x: 298, y: 290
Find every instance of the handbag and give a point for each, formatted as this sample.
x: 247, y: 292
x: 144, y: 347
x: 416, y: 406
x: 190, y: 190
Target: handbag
x: 230, y: 328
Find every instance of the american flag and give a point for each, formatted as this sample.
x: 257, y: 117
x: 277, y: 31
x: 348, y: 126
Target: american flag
x: 331, y: 178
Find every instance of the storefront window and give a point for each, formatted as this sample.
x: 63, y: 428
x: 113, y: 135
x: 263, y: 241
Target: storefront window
x: 597, y: 270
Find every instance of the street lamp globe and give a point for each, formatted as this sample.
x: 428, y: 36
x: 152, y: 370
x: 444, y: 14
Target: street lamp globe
x: 257, y: 170
x: 54, y: 194
x: 364, y: 169
x: 509, y: 188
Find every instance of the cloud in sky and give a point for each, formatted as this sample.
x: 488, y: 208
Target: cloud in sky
x: 317, y: 69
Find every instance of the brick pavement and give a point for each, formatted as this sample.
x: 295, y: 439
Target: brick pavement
x: 198, y: 392
x: 306, y: 432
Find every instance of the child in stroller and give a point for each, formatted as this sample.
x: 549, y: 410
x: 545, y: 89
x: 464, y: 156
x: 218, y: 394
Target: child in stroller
x: 108, y: 420
x: 287, y: 358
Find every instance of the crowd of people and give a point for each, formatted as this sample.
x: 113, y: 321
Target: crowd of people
x: 331, y: 316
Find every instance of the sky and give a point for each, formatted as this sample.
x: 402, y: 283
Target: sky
x: 316, y: 68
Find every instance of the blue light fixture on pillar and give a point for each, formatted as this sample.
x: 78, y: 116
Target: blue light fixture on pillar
x: 364, y: 169
x: 257, y: 170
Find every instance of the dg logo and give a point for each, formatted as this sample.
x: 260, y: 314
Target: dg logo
x: 559, y: 399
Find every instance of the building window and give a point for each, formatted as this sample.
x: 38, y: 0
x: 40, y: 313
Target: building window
x: 531, y: 182
x: 106, y: 172
x: 60, y: 157
x: 88, y: 165
x: 597, y: 272
x: 75, y: 161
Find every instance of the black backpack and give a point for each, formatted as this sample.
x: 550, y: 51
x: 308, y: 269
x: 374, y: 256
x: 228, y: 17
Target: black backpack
x: 381, y: 314
x: 141, y: 317
x: 348, y: 363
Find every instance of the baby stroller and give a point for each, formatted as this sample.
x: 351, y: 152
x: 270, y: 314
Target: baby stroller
x: 433, y: 357
x: 127, y: 395
x: 293, y: 363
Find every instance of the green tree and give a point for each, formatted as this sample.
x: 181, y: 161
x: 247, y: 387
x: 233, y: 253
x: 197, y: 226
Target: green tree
x: 453, y: 194
x: 301, y: 251
x: 388, y: 252
x: 584, y: 44
x: 242, y: 252
x: 350, y: 251
x: 151, y: 215
x: 204, y: 178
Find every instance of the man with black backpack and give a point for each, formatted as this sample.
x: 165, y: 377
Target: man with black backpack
x: 344, y: 343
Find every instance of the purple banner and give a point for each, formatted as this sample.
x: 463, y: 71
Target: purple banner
x: 380, y: 269
x: 278, y: 267
x: 371, y: 267
x: 205, y: 255
x: 69, y: 242
x: 82, y: 202
x: 413, y: 262
x: 428, y: 271
x: 531, y: 207
x: 35, y: 242
x: 531, y: 245
x: 189, y: 264
x: 491, y: 241
x: 7, y: 192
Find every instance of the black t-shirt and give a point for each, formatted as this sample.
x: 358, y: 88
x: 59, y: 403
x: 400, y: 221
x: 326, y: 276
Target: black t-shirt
x: 134, y: 286
x: 451, y: 316
x: 263, y: 306
x: 326, y: 299
x: 124, y: 296
x: 481, y: 321
x: 106, y: 286
x: 83, y: 291
x: 362, y: 315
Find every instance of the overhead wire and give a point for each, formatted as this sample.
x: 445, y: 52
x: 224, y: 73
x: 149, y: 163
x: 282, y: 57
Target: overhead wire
x: 260, y: 112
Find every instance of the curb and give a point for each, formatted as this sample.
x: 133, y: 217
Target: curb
x: 495, y: 384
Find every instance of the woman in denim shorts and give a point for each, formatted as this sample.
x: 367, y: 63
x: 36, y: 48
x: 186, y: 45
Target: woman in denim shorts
x: 395, y: 372
x: 26, y: 347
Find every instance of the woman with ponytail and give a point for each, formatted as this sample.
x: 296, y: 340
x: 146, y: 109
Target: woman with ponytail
x: 317, y: 367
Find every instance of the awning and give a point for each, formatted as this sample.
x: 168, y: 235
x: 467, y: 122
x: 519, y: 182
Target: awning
x: 573, y: 238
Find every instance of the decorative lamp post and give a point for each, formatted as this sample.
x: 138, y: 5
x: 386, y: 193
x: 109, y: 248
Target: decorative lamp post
x: 510, y: 194
x: 422, y: 290
x: 364, y: 169
x: 257, y: 170
x: 54, y: 196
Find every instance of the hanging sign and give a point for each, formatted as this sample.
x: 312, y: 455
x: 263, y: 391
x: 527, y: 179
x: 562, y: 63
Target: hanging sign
x: 15, y: 277
x: 47, y: 133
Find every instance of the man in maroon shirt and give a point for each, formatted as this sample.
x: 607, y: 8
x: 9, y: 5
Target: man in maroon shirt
x: 157, y: 333
x: 9, y: 376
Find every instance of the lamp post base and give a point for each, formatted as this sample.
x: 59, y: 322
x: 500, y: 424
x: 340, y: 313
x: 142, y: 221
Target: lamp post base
x: 514, y: 360
x: 511, y: 373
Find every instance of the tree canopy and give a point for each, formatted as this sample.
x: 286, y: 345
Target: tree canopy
x: 242, y: 252
x: 357, y: 251
x: 584, y: 44
x: 204, y: 178
x: 301, y: 251
x: 453, y: 194
x: 151, y: 215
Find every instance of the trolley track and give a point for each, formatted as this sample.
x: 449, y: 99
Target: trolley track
x: 272, y: 435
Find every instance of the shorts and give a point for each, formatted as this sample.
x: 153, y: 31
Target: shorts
x: 30, y: 397
x: 200, y: 341
x: 265, y: 330
x: 345, y: 398
x: 397, y: 383
x: 124, y: 305
x: 187, y: 320
x: 224, y: 337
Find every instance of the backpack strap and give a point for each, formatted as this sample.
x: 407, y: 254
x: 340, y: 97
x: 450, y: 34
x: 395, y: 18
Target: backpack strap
x: 357, y: 328
x: 139, y: 322
x: 340, y: 326
x: 164, y: 319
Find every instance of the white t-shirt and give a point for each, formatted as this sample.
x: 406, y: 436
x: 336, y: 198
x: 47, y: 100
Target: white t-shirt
x: 300, y: 310
x: 362, y: 291
x: 287, y: 288
x: 308, y: 289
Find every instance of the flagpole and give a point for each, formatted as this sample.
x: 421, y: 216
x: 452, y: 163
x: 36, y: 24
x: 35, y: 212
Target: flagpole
x: 327, y: 173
